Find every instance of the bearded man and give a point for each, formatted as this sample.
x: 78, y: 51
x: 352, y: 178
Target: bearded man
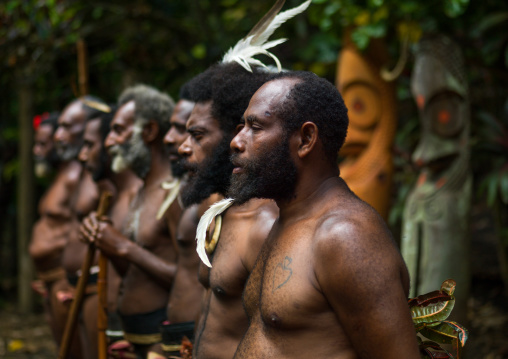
x: 46, y: 161
x: 45, y: 158
x: 186, y: 293
x: 330, y: 281
x: 123, y: 187
x: 59, y: 212
x: 143, y: 253
x: 222, y: 94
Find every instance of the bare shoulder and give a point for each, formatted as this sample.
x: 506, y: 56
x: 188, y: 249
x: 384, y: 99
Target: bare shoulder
x: 265, y: 214
x: 352, y: 224
x: 72, y: 174
x: 354, y: 242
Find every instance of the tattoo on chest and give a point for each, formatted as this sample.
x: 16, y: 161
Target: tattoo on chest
x: 282, y: 274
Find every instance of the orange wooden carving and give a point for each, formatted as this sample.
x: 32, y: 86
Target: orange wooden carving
x: 367, y: 160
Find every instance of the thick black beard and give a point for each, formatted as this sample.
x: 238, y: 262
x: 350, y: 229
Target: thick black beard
x: 210, y: 176
x: 178, y: 168
x: 102, y: 171
x: 67, y: 153
x: 272, y: 175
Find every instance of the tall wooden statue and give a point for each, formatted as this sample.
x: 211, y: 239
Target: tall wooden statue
x: 435, y: 242
x: 367, y: 166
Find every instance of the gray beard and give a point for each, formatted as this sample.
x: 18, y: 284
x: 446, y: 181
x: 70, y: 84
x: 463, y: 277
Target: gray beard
x: 67, y: 152
x: 42, y: 169
x: 134, y: 155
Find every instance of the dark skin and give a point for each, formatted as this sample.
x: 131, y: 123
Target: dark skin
x: 123, y: 187
x: 43, y: 144
x: 244, y: 229
x: 59, y: 210
x: 330, y: 281
x: 43, y: 141
x: 186, y: 293
x: 177, y: 132
x: 147, y: 264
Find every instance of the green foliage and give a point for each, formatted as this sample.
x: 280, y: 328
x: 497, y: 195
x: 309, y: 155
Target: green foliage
x: 376, y: 18
x: 491, y: 149
x: 429, y: 312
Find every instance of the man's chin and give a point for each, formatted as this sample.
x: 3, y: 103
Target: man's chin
x: 42, y: 169
x: 119, y: 164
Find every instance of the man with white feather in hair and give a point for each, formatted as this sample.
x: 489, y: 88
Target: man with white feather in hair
x: 145, y: 253
x: 230, y: 246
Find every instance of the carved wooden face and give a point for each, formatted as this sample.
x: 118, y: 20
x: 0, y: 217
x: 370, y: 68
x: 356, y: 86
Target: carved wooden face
x: 360, y: 91
x: 443, y: 106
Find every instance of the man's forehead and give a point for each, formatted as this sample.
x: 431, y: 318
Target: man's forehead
x: 73, y: 113
x: 181, y: 112
x: 125, y: 114
x: 93, y: 127
x: 201, y: 115
x: 272, y: 92
x: 45, y: 130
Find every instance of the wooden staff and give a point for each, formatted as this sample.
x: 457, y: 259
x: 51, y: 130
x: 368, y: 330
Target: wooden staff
x: 82, y: 67
x: 102, y: 310
x: 70, y: 325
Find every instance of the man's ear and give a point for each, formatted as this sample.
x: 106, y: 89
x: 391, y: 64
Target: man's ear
x: 308, y: 136
x: 150, y: 131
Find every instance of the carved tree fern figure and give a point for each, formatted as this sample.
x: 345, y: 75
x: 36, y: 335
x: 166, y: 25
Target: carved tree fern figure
x: 435, y: 242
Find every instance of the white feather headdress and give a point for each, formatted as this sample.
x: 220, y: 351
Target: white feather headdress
x: 255, y: 42
x: 205, y: 221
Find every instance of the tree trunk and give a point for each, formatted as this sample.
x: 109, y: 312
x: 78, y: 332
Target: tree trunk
x: 25, y: 195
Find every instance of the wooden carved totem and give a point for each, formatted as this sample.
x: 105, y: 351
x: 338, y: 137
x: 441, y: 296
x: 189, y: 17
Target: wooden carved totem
x: 435, y: 242
x: 367, y: 166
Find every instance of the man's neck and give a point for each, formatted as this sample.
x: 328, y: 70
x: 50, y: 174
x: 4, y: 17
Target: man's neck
x: 159, y: 168
x: 311, y: 189
x: 69, y: 165
x: 123, y: 180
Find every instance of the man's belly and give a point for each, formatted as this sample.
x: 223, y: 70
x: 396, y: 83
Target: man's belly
x: 140, y: 293
x: 220, y: 329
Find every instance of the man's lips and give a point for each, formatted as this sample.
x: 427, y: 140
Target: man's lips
x: 173, y: 157
x: 237, y: 165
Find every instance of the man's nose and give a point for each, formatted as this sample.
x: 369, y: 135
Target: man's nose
x: 83, y: 154
x: 185, y: 148
x: 58, y: 136
x: 109, y: 141
x: 169, y: 139
x: 238, y: 143
x: 36, y: 150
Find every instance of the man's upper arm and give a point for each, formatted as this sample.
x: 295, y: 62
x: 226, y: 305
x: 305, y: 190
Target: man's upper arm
x: 358, y: 270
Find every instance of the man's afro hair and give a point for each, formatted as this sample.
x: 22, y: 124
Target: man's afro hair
x: 230, y: 88
x: 314, y: 99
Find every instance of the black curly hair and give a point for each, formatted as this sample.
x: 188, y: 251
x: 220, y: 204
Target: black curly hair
x: 230, y: 87
x: 316, y: 100
x: 185, y: 93
x: 151, y: 104
x: 106, y: 119
x: 51, y: 120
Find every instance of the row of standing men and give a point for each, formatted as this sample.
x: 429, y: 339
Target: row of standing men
x: 327, y: 278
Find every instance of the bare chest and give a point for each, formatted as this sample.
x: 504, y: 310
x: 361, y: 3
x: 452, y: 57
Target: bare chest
x: 141, y: 224
x: 87, y: 197
x: 282, y: 286
x: 228, y: 274
x: 58, y: 198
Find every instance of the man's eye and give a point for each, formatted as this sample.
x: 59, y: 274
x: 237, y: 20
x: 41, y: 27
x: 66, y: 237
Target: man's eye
x: 197, y: 135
